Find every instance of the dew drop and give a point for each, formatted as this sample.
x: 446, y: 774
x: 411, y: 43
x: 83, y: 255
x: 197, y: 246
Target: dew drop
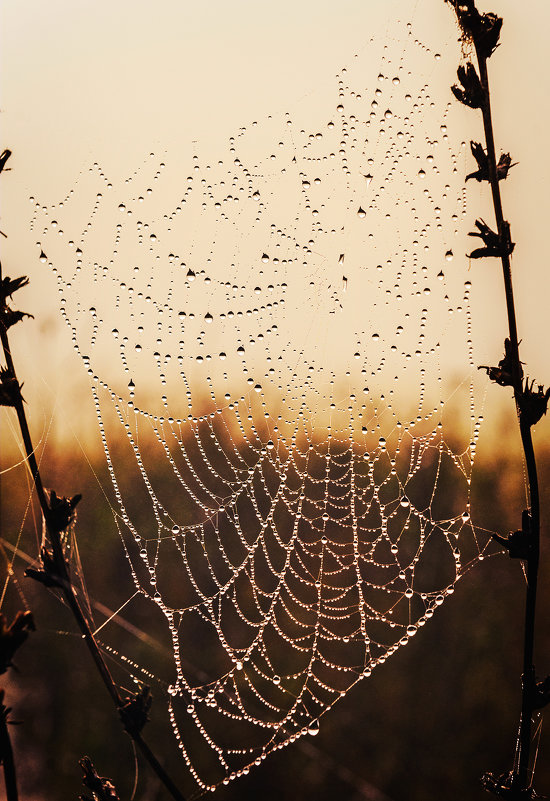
x: 313, y: 728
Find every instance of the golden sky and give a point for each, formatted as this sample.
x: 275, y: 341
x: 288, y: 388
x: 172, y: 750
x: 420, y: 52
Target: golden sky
x: 101, y: 82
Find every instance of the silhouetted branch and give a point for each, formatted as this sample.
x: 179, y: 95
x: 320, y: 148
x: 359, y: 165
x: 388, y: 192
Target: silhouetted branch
x: 13, y: 636
x: 6, y: 753
x: 102, y: 789
x: 59, y: 513
x: 482, y: 30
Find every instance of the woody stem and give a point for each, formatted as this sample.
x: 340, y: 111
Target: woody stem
x: 6, y: 757
x: 520, y: 778
x: 62, y: 574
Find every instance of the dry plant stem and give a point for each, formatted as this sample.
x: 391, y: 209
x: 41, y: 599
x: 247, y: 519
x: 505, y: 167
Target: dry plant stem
x: 521, y: 772
x: 54, y: 537
x: 6, y: 756
x: 66, y: 586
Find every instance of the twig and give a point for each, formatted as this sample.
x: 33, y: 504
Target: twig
x: 483, y: 30
x: 58, y: 513
x: 102, y: 788
x: 6, y: 753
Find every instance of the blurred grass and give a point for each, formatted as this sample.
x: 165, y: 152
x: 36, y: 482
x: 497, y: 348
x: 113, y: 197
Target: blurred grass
x: 426, y: 725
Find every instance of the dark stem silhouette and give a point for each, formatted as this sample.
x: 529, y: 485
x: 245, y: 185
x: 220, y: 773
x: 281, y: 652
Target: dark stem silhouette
x: 483, y: 31
x: 521, y: 779
x: 6, y: 754
x: 54, y: 571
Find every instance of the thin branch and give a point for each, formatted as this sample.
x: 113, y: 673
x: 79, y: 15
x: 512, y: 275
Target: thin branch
x: 6, y: 753
x: 55, y: 571
x: 521, y: 779
x: 483, y: 30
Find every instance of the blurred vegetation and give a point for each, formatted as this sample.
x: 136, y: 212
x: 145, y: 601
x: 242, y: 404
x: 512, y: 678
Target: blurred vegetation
x: 426, y: 725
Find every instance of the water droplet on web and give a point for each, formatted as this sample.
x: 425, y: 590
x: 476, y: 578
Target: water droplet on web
x: 449, y: 255
x: 313, y: 728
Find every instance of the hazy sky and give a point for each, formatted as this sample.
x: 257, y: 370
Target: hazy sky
x: 108, y: 82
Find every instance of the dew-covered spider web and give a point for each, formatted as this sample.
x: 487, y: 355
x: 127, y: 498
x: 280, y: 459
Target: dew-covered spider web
x: 282, y: 331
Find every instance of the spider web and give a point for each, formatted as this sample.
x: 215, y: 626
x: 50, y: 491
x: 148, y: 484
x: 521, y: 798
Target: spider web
x: 269, y: 327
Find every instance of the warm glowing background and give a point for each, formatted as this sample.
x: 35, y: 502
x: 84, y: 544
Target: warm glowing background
x: 110, y: 82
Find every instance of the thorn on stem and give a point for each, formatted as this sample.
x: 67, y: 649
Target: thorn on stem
x: 9, y: 317
x: 482, y: 172
x: 471, y: 91
x: 10, y: 389
x: 102, y: 789
x: 533, y: 404
x: 519, y: 544
x: 134, y: 713
x: 493, y: 243
x: 13, y: 636
x: 62, y: 511
x: 481, y: 29
x: 11, y: 285
x: 503, y: 374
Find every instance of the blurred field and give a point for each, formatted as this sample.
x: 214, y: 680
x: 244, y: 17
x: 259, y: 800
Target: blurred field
x: 427, y: 723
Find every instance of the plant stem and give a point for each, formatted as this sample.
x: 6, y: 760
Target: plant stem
x: 528, y: 683
x: 62, y: 573
x: 6, y: 757
x: 521, y: 770
x: 499, y: 216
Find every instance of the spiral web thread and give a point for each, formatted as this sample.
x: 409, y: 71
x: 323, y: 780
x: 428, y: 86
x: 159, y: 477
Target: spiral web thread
x: 291, y: 306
